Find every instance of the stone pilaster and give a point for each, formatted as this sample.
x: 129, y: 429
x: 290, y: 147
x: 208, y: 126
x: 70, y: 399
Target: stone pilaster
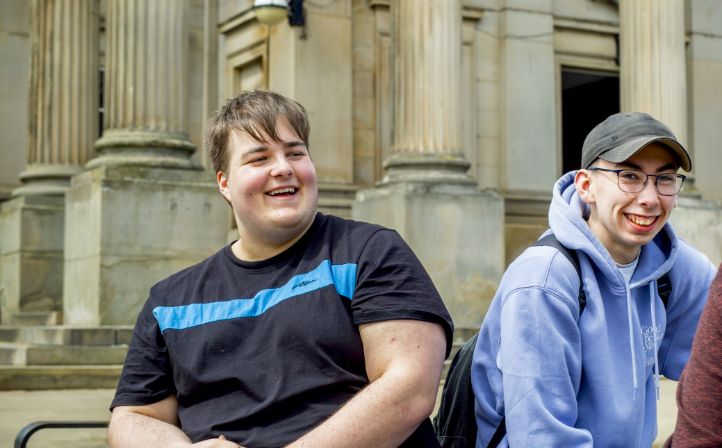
x: 653, y: 65
x: 705, y: 100
x: 63, y: 99
x: 145, y: 85
x: 426, y: 193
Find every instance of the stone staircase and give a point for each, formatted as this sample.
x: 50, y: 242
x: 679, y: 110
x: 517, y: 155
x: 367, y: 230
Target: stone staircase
x: 38, y: 356
x: 35, y: 357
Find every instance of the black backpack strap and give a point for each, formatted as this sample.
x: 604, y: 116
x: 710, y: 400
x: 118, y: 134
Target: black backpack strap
x: 571, y: 255
x: 455, y: 422
x: 498, y: 435
x: 664, y: 288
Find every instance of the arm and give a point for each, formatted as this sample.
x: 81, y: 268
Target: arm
x: 404, y: 359
x: 699, y: 394
x: 540, y: 359
x: 153, y: 425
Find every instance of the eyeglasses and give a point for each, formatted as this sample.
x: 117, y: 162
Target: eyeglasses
x: 634, y: 181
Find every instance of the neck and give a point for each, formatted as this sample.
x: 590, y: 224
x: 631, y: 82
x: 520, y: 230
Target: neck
x: 249, y: 248
x: 620, y: 254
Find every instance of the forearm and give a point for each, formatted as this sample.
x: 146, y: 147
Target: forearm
x: 384, y: 414
x: 130, y: 430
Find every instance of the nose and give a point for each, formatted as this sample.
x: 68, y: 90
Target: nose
x: 649, y: 195
x: 281, y: 167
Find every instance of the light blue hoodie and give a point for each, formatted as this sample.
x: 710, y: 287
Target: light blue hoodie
x: 564, y: 380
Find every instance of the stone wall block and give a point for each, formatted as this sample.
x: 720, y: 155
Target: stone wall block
x: 464, y: 256
x: 139, y: 225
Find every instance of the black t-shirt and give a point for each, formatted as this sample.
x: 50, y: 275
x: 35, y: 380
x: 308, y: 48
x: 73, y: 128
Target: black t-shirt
x: 262, y: 352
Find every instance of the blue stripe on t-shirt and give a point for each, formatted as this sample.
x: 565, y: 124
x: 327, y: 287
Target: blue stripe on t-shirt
x: 341, y: 276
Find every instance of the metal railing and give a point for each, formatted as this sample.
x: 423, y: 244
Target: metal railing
x: 21, y: 441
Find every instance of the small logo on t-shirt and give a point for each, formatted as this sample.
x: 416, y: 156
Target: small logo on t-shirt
x: 302, y: 283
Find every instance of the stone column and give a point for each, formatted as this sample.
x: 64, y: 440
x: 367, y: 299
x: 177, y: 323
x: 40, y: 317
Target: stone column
x: 63, y: 99
x: 653, y: 66
x: 63, y: 124
x: 142, y: 210
x: 426, y: 193
x: 145, y: 85
x: 427, y: 126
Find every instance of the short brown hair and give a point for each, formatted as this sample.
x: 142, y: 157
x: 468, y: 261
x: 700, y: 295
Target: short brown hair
x: 255, y: 113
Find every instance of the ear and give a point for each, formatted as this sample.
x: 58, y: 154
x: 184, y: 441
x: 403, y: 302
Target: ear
x: 223, y: 187
x: 583, y: 184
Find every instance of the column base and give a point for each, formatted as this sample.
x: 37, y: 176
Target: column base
x: 143, y: 148
x: 129, y: 227
x: 44, y: 179
x: 336, y: 199
x: 31, y: 255
x: 427, y: 168
x: 456, y: 231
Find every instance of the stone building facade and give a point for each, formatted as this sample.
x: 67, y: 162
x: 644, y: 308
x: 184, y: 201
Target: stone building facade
x: 448, y: 120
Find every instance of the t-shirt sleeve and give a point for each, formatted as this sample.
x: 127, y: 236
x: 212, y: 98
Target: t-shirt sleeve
x: 146, y: 377
x: 392, y: 284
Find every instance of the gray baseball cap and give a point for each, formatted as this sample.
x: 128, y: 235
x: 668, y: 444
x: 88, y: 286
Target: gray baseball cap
x: 622, y: 135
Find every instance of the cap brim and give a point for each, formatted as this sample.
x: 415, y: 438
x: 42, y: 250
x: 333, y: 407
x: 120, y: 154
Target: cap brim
x: 628, y: 149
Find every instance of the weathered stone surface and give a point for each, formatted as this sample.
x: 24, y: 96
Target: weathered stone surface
x: 62, y: 335
x: 699, y: 222
x: 129, y: 228
x: 529, y: 158
x: 31, y: 255
x: 58, y: 377
x: 75, y: 355
x: 454, y: 231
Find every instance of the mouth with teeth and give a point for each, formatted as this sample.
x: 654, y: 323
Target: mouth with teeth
x: 282, y: 192
x: 644, y: 222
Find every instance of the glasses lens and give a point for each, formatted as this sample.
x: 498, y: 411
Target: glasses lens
x: 632, y: 181
x: 668, y: 184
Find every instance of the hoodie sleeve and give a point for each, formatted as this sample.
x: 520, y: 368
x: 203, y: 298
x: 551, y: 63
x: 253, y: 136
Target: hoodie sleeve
x: 691, y: 277
x: 540, y: 359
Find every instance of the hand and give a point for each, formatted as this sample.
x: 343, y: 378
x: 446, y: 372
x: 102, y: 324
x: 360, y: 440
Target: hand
x: 220, y: 442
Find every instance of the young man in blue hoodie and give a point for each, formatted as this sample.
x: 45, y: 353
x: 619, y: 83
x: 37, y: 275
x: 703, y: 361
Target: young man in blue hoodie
x: 547, y: 375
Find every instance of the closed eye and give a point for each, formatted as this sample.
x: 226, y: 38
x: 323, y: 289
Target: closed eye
x: 632, y: 176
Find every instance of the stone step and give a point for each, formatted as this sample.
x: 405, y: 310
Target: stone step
x: 12, y: 354
x: 69, y: 355
x: 32, y: 318
x: 59, y: 377
x: 61, y: 335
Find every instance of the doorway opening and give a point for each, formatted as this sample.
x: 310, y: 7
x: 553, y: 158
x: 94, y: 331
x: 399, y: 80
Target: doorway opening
x: 588, y: 97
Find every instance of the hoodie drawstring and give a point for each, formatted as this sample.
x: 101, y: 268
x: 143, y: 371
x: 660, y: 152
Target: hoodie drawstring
x: 653, y: 300
x: 631, y: 339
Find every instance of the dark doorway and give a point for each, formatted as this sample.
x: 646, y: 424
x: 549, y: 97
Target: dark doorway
x: 587, y: 98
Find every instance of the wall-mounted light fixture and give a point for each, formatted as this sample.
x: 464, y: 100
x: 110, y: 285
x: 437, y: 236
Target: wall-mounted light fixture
x: 272, y: 12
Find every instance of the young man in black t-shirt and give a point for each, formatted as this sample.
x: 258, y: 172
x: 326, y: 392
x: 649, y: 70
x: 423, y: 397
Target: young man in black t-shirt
x: 309, y: 330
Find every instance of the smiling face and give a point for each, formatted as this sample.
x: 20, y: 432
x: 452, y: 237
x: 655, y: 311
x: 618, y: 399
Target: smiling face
x: 272, y: 189
x: 624, y: 222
